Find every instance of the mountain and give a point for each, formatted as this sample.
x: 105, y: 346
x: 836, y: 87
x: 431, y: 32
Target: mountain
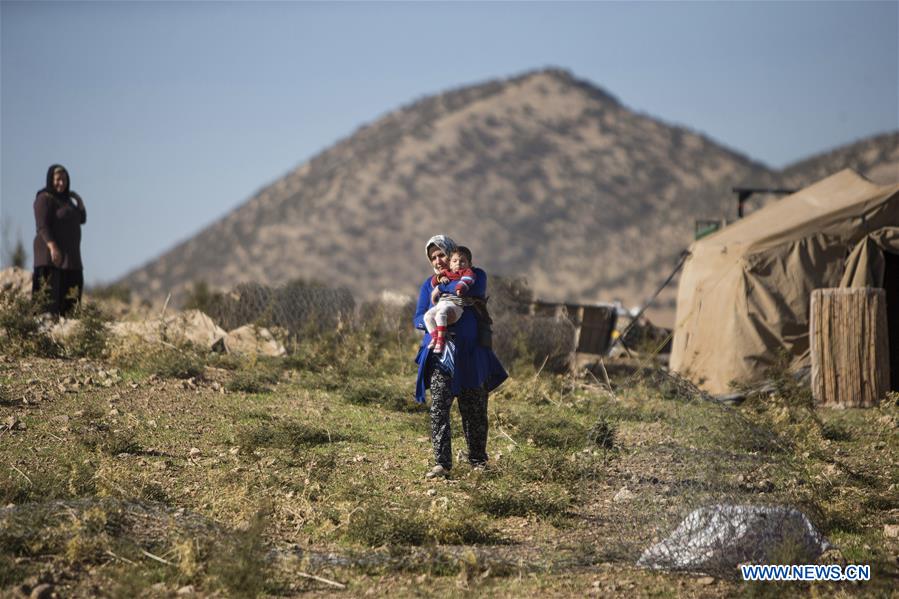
x: 877, y: 158
x: 542, y: 175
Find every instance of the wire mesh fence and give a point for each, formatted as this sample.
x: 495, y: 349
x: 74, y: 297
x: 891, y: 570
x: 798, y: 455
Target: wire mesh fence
x: 300, y: 308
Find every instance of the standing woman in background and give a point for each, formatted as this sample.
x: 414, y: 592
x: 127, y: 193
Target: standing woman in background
x: 58, y: 213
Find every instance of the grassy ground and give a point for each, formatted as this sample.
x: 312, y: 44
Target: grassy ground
x: 148, y: 470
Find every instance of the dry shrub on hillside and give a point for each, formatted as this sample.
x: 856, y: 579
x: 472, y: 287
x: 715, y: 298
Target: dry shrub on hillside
x: 163, y: 360
x: 116, y: 292
x: 91, y: 336
x: 521, y: 338
x: 538, y: 341
x: 509, y: 295
x: 23, y: 330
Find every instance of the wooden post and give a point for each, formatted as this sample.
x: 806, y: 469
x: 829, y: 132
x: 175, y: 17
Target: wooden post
x: 848, y: 342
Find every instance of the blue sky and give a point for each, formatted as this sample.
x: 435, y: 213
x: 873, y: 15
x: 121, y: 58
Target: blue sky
x: 170, y: 114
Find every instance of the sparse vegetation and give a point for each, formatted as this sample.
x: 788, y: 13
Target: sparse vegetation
x: 19, y: 256
x: 602, y: 433
x: 177, y: 452
x: 290, y: 435
x: 523, y: 341
x: 165, y: 361
x: 201, y: 298
x: 414, y: 523
x: 115, y: 292
x: 241, y: 565
x: 24, y: 330
x: 91, y: 337
x: 381, y: 393
x: 95, y: 433
x: 253, y: 377
x: 509, y: 498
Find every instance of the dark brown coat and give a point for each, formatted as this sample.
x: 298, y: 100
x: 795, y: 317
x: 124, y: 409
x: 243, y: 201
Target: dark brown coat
x: 58, y: 219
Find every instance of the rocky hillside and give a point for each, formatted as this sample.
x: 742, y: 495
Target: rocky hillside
x: 877, y: 158
x: 542, y: 175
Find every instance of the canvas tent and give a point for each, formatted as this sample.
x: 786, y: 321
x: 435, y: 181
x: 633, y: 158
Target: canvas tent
x: 744, y: 294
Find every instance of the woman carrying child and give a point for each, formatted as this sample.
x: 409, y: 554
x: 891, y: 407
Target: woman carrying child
x: 464, y: 369
x: 448, y: 307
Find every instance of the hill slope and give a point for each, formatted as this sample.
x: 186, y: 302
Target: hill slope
x: 877, y: 158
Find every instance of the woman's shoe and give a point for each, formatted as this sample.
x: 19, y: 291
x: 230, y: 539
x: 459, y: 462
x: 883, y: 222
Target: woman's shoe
x: 437, y: 471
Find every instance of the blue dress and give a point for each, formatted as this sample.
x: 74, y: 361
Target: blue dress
x: 474, y: 366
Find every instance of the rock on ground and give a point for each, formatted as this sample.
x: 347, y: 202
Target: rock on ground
x: 191, y: 325
x: 717, y: 538
x: 250, y: 339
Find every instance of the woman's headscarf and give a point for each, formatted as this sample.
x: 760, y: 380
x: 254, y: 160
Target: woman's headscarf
x: 443, y: 242
x: 49, y: 187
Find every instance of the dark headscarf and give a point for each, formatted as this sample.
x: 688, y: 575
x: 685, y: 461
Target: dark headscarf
x: 49, y: 186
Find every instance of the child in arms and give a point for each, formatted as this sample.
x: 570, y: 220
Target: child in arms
x: 448, y: 307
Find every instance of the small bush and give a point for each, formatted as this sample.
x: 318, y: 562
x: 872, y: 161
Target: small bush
x: 240, y: 564
x: 543, y: 465
x: 547, y: 429
x: 318, y: 467
x: 167, y: 362
x: 602, y: 433
x: 536, y: 390
x: 667, y: 385
x: 535, y: 341
x: 18, y: 256
x: 25, y: 532
x: 15, y: 488
x: 377, y: 525
x: 461, y: 526
x: 792, y: 391
x: 25, y: 331
x: 316, y: 354
x: 254, y: 378
x: 522, y: 339
x: 226, y: 361
x: 835, y: 431
x: 87, y: 535
x: 638, y: 412
x: 385, y: 318
x: 510, y: 498
x: 10, y: 572
x: 408, y: 523
x: 283, y: 435
x: 391, y: 397
x: 201, y: 298
x: 116, y: 292
x: 95, y: 434
x: 80, y: 481
x: 91, y: 336
x: 509, y: 295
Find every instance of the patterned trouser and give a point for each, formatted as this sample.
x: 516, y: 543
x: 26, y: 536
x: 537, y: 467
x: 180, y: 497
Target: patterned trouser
x: 472, y: 407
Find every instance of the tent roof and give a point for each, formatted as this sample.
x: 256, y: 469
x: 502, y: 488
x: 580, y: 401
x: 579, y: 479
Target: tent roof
x: 810, y: 210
